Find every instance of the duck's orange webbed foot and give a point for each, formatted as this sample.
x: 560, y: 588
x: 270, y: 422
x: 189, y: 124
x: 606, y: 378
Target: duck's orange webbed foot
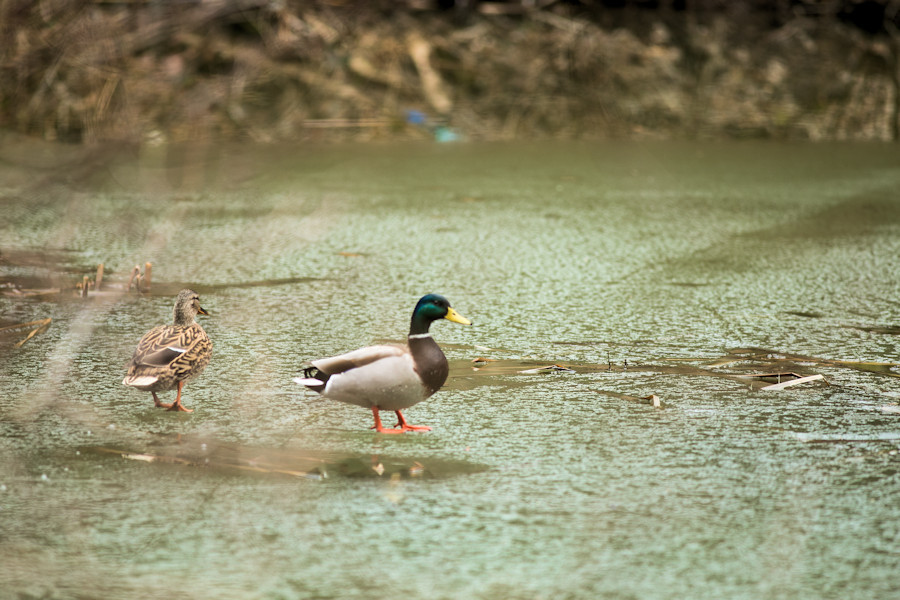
x: 379, y: 428
x: 177, y: 405
x: 159, y: 404
x: 404, y: 426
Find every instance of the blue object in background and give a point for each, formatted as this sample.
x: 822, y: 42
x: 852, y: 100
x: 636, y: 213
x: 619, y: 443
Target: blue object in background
x: 441, y: 133
x: 445, y: 134
x: 415, y: 117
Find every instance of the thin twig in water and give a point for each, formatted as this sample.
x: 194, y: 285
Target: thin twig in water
x: 36, y: 327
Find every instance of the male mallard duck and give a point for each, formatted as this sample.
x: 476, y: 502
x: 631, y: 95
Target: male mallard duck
x: 169, y: 355
x: 389, y: 377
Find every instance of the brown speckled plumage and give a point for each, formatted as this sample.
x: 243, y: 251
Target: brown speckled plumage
x: 170, y: 355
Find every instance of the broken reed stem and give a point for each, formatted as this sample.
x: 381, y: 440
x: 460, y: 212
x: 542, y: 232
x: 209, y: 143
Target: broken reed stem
x: 141, y: 282
x: 99, y: 280
x: 135, y: 276
x: 148, y: 267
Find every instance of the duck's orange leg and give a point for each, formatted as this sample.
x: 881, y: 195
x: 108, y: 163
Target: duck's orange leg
x: 404, y: 426
x: 177, y: 405
x: 159, y: 404
x: 378, y: 427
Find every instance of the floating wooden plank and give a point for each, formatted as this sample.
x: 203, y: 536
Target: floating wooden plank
x: 777, y: 377
x: 651, y: 400
x: 793, y: 382
x: 548, y: 369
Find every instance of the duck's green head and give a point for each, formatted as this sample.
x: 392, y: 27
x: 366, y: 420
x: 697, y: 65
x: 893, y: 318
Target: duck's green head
x: 432, y: 307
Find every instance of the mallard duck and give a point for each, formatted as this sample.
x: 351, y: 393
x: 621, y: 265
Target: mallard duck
x: 389, y: 377
x: 169, y: 355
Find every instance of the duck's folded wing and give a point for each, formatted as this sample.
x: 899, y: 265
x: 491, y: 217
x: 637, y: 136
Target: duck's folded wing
x: 161, y: 357
x: 162, y: 345
x: 357, y: 358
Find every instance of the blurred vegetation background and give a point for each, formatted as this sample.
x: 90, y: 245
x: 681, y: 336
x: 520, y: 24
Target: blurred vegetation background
x: 147, y: 71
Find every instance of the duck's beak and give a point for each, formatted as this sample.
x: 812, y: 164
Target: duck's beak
x: 201, y: 311
x: 454, y: 316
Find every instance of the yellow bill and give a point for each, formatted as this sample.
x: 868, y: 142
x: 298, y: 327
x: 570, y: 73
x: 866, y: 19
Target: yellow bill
x: 454, y: 316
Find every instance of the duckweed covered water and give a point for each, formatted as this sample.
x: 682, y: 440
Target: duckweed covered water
x: 645, y: 268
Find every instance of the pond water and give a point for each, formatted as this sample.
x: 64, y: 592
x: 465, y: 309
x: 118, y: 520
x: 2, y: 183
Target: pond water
x: 645, y: 269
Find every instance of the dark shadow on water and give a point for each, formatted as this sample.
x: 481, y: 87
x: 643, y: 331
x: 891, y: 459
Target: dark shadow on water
x: 747, y: 367
x: 884, y: 330
x: 806, y: 314
x: 170, y: 288
x: 231, y: 458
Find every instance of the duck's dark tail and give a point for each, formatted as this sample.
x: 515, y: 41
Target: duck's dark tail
x: 313, y: 378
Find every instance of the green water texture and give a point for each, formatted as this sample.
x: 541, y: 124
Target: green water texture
x: 534, y: 485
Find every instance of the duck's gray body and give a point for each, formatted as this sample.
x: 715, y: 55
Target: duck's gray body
x: 389, y: 377
x: 383, y: 377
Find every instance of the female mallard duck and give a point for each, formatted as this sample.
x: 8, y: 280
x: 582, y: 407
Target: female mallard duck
x: 169, y: 355
x: 389, y: 377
